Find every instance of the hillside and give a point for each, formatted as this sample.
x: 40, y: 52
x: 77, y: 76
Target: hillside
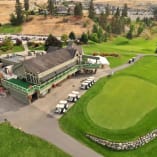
x: 57, y: 25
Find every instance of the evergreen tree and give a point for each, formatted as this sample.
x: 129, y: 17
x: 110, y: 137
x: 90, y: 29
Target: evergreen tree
x: 130, y: 33
x: 103, y: 20
x: 84, y: 38
x: 78, y: 9
x: 51, y: 7
x: 91, y: 10
x: 26, y: 5
x: 140, y: 29
x: 52, y: 41
x: 117, y: 12
x: 155, y: 12
x: 95, y: 28
x: 125, y: 10
x: 64, y: 38
x: 72, y: 36
x: 107, y: 10
x: 17, y: 18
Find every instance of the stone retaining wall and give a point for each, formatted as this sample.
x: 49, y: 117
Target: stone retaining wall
x: 130, y: 145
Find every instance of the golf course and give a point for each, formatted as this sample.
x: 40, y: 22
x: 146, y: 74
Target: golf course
x: 118, y: 108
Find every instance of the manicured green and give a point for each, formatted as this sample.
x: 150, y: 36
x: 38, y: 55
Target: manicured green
x: 122, y: 97
x: 77, y: 121
x: 16, y: 143
x: 9, y: 29
x: 122, y: 45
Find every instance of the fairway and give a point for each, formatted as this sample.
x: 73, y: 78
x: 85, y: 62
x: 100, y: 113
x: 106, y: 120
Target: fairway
x: 123, y: 46
x: 122, y: 102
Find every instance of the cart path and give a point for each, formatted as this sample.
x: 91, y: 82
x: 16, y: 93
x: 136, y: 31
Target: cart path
x: 35, y: 121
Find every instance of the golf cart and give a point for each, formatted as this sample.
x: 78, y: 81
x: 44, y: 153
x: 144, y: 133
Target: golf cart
x: 84, y: 85
x: 72, y: 98
x: 60, y: 108
x: 89, y: 82
x: 76, y: 93
x: 65, y: 103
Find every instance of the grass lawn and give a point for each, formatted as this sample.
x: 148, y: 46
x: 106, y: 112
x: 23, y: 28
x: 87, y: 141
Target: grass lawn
x: 135, y: 117
x: 41, y: 47
x: 14, y: 143
x: 122, y: 45
x: 116, y: 61
x: 122, y: 97
x: 13, y: 50
x: 9, y: 29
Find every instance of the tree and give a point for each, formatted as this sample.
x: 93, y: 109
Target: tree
x: 155, y: 12
x: 140, y: 29
x: 125, y: 10
x: 18, y: 17
x: 130, y: 33
x: 51, y: 7
x: 7, y: 44
x: 72, y: 36
x: 117, y: 12
x: 64, y: 38
x: 84, y: 38
x: 107, y: 10
x: 78, y: 9
x: 95, y: 28
x: 91, y: 10
x: 26, y: 5
x: 52, y: 41
x: 103, y: 20
x: 94, y: 37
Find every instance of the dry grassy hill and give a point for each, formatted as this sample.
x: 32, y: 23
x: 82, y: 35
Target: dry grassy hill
x: 57, y: 25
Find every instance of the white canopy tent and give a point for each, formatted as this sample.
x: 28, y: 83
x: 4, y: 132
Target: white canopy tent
x: 102, y: 61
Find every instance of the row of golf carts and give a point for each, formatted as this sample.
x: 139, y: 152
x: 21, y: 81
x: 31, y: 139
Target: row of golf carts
x: 63, y: 105
x: 87, y: 83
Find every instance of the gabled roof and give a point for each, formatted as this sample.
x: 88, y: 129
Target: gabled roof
x: 49, y: 60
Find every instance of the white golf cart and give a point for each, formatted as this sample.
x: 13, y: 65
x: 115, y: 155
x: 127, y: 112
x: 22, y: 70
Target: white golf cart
x: 91, y: 79
x: 65, y: 103
x: 89, y: 82
x: 84, y: 85
x: 60, y: 108
x: 72, y: 98
x: 76, y: 93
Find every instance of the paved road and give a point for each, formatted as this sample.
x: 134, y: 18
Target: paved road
x: 33, y: 119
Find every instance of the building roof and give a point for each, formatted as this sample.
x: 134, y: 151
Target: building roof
x: 49, y: 60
